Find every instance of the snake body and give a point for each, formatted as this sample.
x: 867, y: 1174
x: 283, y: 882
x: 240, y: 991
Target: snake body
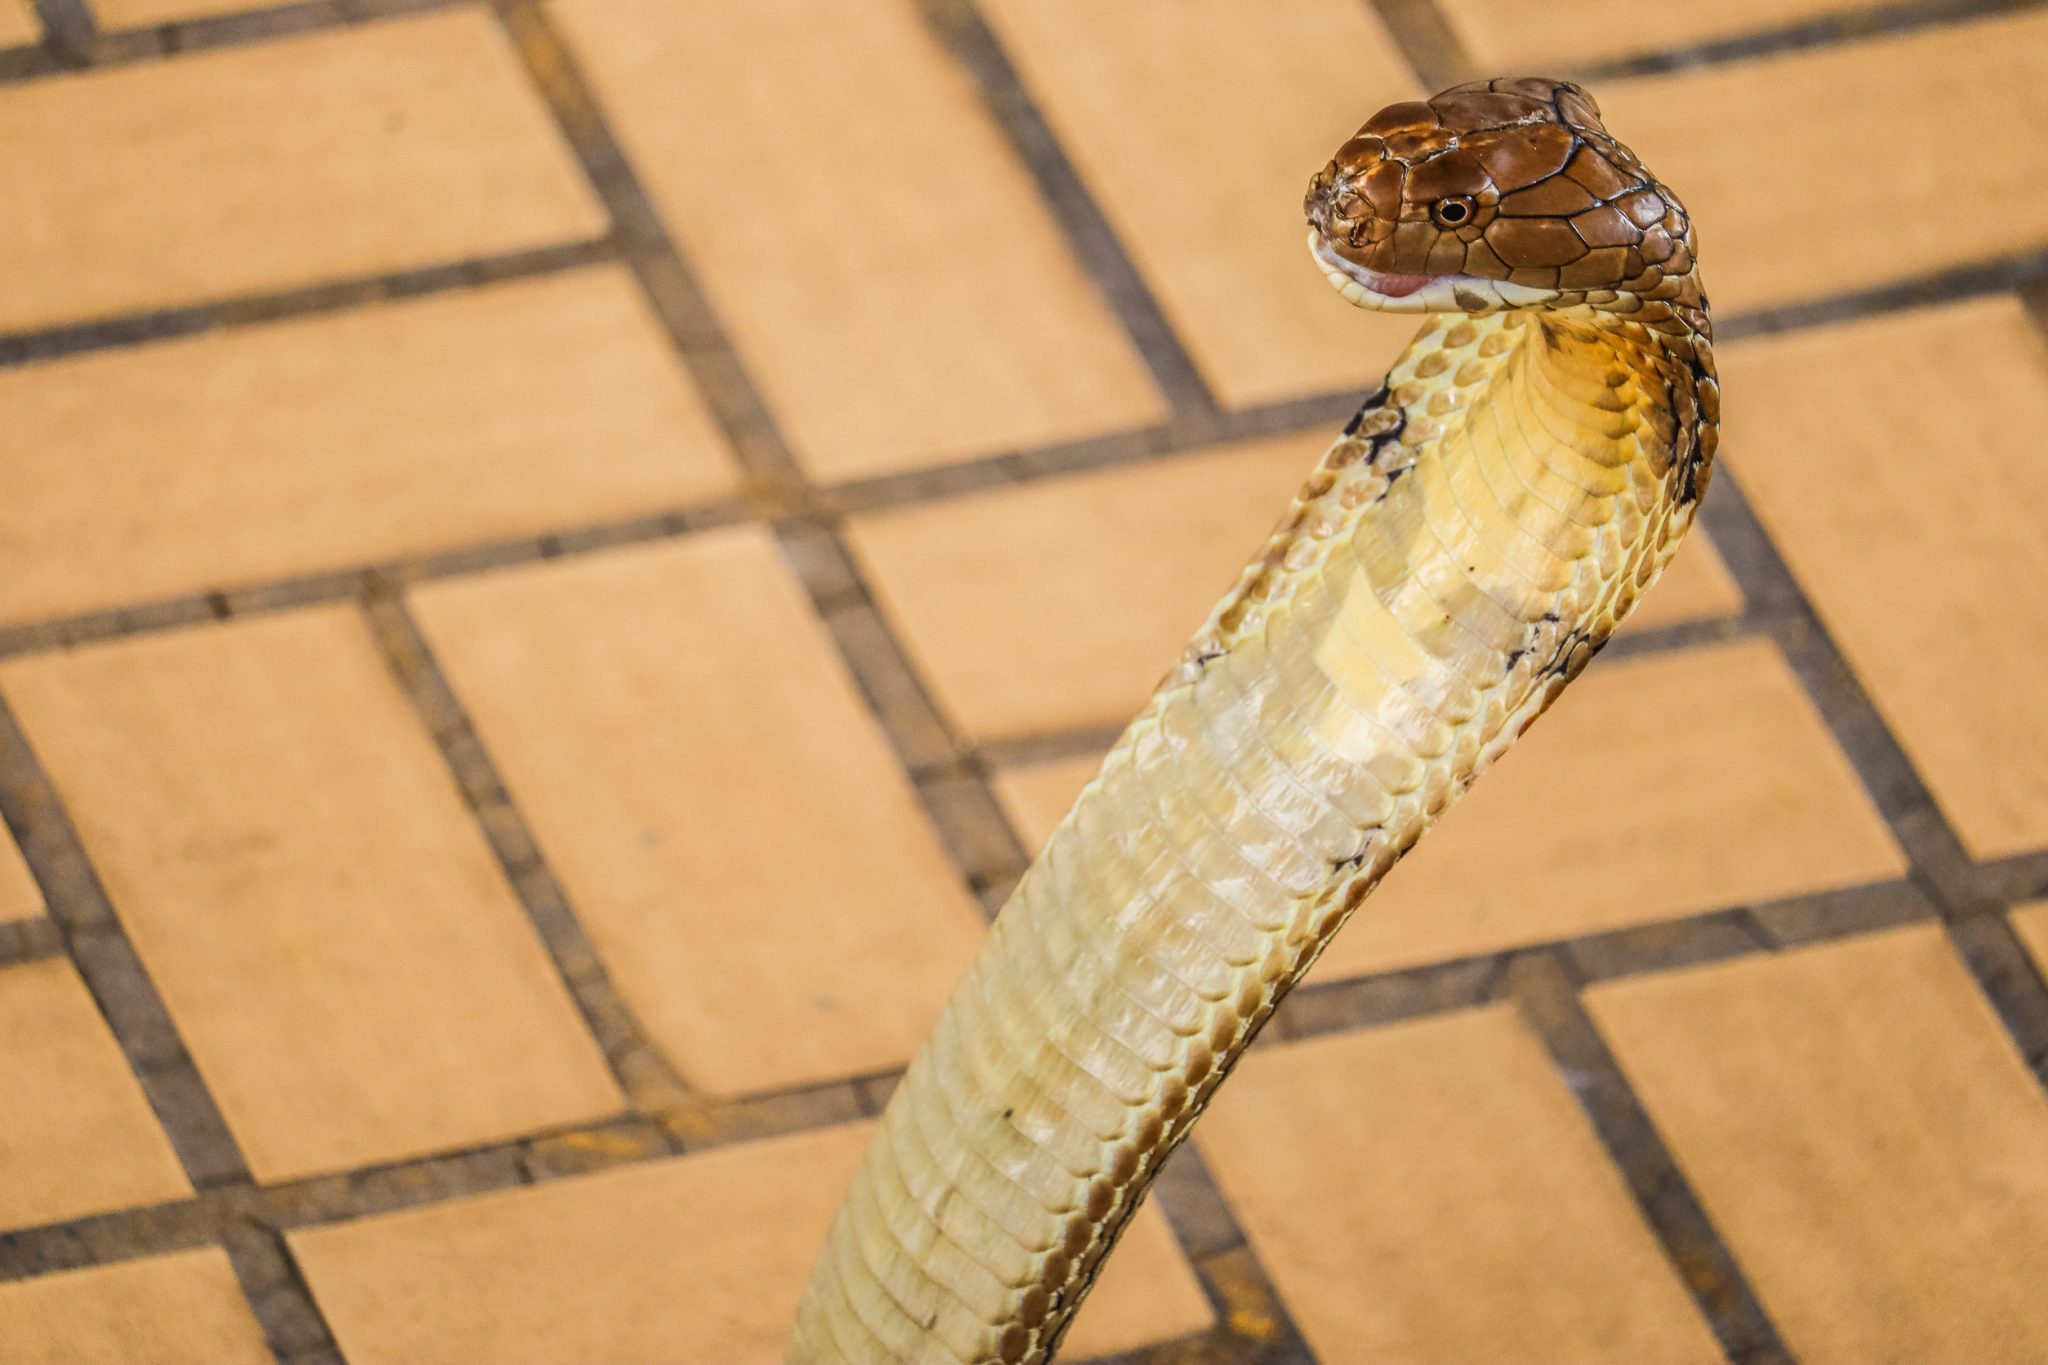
x: 1472, y: 538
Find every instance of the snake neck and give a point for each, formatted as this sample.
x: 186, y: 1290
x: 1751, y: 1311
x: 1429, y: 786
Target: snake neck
x: 1469, y: 542
x: 1535, y: 470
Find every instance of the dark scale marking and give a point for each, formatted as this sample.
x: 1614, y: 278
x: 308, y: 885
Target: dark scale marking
x: 1374, y: 400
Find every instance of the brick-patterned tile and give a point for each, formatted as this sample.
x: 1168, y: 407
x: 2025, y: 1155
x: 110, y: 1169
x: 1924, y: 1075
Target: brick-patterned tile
x: 1060, y: 604
x: 1842, y: 180
x: 19, y: 896
x: 1897, y: 463
x: 311, y: 445
x: 1866, y: 1137
x: 18, y: 26
x: 1197, y: 124
x: 183, y: 1309
x: 356, y: 152
x: 1443, y: 1166
x: 1505, y: 35
x: 1695, y: 780
x: 881, y: 258
x: 2032, y: 924
x: 697, y: 1259
x: 721, y: 806
x: 291, y: 858
x: 76, y: 1134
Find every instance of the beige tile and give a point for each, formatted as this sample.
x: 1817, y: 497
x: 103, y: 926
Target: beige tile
x: 1431, y: 1192
x: 1747, y: 800
x: 2031, y: 922
x: 18, y: 25
x: 1897, y: 464
x: 145, y: 13
x: 315, y: 445
x: 1503, y: 34
x: 883, y: 261
x: 1865, y: 1136
x: 719, y: 802
x: 1197, y: 124
x: 19, y: 896
x: 1060, y: 604
x: 182, y: 1309
x: 1696, y: 587
x: 1843, y: 180
x: 368, y: 149
x: 76, y: 1135
x: 291, y: 858
x: 589, y: 1269
x: 1656, y: 787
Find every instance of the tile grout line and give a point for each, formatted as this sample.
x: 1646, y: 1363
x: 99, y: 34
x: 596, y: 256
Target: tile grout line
x: 1801, y: 36
x: 66, y: 340
x: 1427, y: 41
x: 1446, y: 985
x: 962, y: 30
x: 140, y: 1022
x: 1547, y: 999
x: 69, y: 29
x: 209, y: 1216
x: 353, y: 582
x: 76, y: 43
x: 29, y: 940
x: 651, y: 1086
x: 1971, y: 905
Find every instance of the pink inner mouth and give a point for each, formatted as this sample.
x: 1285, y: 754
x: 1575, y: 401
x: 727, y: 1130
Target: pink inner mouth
x: 1394, y: 286
x: 1379, y: 281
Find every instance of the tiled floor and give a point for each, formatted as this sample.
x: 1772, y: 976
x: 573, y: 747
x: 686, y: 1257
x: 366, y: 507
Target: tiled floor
x: 561, y: 554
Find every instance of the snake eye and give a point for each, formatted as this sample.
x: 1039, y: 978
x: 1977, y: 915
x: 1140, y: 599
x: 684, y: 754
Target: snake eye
x: 1453, y: 211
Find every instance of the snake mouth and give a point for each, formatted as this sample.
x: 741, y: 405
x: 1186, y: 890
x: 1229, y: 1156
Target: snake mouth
x: 1341, y: 271
x: 1386, y: 292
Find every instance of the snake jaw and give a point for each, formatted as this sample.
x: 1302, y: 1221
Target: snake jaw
x: 1389, y: 293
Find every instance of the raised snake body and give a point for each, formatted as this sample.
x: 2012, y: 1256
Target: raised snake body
x: 1468, y: 543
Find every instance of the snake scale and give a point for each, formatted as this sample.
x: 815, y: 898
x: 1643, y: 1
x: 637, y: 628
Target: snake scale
x: 1472, y: 538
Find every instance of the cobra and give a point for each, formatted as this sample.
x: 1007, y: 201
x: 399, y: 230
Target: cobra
x: 1471, y: 539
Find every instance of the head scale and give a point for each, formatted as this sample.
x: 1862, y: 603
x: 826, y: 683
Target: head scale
x: 1506, y: 193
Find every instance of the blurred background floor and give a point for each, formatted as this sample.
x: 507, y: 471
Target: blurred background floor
x: 556, y: 559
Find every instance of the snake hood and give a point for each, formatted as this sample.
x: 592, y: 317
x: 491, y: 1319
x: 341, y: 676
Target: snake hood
x: 1502, y: 193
